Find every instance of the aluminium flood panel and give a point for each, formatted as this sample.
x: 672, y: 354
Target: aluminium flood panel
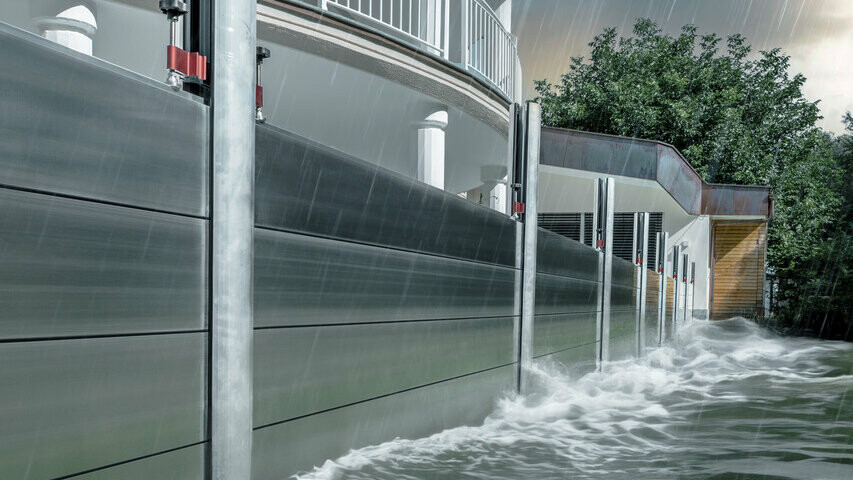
x: 623, y: 273
x: 567, y: 299
x: 287, y: 448
x: 344, y: 364
x: 308, y: 188
x: 186, y: 463
x: 558, y: 294
x: 78, y: 126
x: 78, y: 268
x: 80, y: 404
x: 623, y: 333
x: 559, y: 255
x: 301, y: 280
x: 574, y: 362
x: 558, y: 332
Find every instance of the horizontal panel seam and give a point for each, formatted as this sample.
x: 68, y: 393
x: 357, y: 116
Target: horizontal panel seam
x: 549, y: 274
x: 587, y: 312
x: 385, y: 247
x: 49, y: 193
x: 104, y: 467
x: 104, y: 335
x: 565, y: 349
x: 383, y: 322
x: 339, y: 407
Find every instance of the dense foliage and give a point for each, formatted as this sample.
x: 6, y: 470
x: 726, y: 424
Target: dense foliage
x: 736, y: 119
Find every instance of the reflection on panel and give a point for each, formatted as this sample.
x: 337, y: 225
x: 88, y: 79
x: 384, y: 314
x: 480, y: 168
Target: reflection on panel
x: 559, y: 332
x: 307, y: 280
x: 73, y: 267
x: 182, y: 464
x: 559, y: 255
x: 557, y: 294
x: 623, y: 335
x: 623, y: 272
x: 306, y: 187
x: 623, y: 323
x: 281, y: 450
x: 72, y: 124
x: 82, y: 404
x: 622, y: 348
x: 304, y: 370
x: 575, y: 361
x: 623, y: 298
x: 652, y: 325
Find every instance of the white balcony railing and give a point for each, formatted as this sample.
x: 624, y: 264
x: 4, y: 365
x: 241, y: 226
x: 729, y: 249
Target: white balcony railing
x: 492, y: 50
x: 424, y: 21
x: 484, y: 47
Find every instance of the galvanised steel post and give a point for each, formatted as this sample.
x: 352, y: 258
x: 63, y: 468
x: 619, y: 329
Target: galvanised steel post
x: 642, y: 252
x: 603, y: 223
x: 676, y: 251
x: 663, y: 239
x: 528, y: 293
x: 685, y: 264
x: 232, y: 209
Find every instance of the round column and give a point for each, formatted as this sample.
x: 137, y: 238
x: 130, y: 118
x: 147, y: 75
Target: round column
x: 431, y: 148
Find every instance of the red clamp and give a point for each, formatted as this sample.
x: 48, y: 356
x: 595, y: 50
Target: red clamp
x: 517, y: 207
x: 660, y: 270
x: 259, y: 96
x: 599, y: 243
x: 639, y: 260
x: 191, y: 64
x: 675, y: 276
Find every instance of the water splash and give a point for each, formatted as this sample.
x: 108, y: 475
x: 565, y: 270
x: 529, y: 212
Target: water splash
x: 725, y: 400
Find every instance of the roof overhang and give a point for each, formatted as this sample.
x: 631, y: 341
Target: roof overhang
x: 649, y: 160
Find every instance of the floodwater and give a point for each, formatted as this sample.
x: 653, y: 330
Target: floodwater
x: 725, y: 400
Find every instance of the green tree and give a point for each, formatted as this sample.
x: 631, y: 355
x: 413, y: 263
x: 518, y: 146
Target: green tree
x: 735, y: 118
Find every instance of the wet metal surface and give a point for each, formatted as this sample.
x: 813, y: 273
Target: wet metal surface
x: 75, y: 125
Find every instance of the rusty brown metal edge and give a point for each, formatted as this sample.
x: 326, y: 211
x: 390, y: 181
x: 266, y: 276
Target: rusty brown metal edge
x: 705, y: 207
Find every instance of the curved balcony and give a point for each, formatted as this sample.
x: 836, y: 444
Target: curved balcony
x: 466, y: 33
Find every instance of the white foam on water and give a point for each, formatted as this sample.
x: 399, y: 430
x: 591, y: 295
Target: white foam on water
x: 629, y: 418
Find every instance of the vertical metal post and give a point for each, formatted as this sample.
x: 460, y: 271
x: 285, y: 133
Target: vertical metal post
x: 582, y: 239
x: 692, y: 289
x: 642, y: 252
x: 232, y: 210
x: 685, y: 265
x: 663, y: 239
x: 675, y: 290
x: 531, y: 189
x: 603, y: 221
x: 511, y: 155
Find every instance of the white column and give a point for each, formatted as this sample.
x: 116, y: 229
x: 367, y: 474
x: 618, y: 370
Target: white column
x: 431, y: 148
x: 504, y: 14
x: 72, y: 28
x: 497, y: 196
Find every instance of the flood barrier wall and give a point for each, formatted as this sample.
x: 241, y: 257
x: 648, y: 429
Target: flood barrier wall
x: 383, y: 307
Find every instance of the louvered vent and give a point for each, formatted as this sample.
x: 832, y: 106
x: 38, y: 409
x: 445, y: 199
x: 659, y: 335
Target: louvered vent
x: 655, y: 227
x: 565, y: 224
x: 569, y: 225
x: 623, y: 235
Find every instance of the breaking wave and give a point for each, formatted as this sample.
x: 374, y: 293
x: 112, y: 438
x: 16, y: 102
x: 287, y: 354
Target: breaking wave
x: 723, y: 400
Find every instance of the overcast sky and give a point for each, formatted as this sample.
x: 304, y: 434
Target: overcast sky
x: 817, y: 34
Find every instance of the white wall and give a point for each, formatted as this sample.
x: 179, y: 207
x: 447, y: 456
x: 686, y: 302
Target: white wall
x: 334, y: 102
x: 697, y: 233
x: 568, y: 190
